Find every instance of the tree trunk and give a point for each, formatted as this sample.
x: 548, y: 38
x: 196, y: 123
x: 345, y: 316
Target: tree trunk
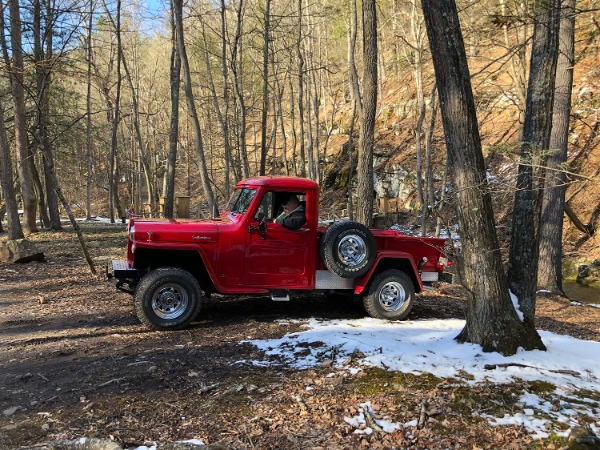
x: 175, y: 80
x: 112, y: 178
x: 43, y: 58
x: 265, y: 92
x: 41, y: 194
x: 88, y: 120
x: 300, y: 57
x: 428, y: 149
x: 492, y: 321
x: 365, y: 191
x: 18, y: 90
x: 236, y: 67
x: 354, y: 83
x: 523, y: 257
x: 551, y: 223
x: 225, y: 123
x: 13, y: 226
x: 293, y: 123
x: 189, y: 95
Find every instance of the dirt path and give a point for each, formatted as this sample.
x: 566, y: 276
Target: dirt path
x: 74, y: 361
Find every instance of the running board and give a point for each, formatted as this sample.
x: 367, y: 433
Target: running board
x: 280, y: 296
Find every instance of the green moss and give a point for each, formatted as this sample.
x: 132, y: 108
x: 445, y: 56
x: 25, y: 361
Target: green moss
x: 585, y: 393
x: 540, y: 387
x: 376, y: 380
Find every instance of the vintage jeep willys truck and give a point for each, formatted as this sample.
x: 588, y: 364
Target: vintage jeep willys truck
x: 171, y: 263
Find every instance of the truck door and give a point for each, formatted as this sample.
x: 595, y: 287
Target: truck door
x: 278, y: 258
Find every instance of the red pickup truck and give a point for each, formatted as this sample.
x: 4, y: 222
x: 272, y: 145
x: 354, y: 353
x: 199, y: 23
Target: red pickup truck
x: 171, y: 263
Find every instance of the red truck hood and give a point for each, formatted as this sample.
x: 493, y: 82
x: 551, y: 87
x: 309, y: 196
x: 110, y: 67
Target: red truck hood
x: 178, y: 230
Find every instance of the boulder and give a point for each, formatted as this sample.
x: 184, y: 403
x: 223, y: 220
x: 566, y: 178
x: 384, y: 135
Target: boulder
x: 19, y: 251
x: 583, y: 438
x: 589, y: 274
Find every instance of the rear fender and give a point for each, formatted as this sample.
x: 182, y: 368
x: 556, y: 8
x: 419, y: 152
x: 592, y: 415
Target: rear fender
x: 390, y: 260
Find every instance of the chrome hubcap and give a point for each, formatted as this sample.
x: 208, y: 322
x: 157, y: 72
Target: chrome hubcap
x: 352, y: 250
x: 170, y: 301
x: 392, y: 296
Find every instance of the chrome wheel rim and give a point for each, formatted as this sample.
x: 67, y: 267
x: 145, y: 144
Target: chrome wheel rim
x: 392, y: 296
x: 170, y: 301
x: 352, y: 250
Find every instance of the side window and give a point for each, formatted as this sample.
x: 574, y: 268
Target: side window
x: 289, y: 202
x: 265, y: 209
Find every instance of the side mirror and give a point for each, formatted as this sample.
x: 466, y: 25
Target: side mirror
x: 260, y: 227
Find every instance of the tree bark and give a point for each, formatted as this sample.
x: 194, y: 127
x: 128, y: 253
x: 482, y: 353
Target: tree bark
x: 13, y: 226
x: 88, y: 120
x: 43, y: 57
x: 41, y: 194
x: 265, y: 90
x: 225, y: 123
x: 175, y: 80
x: 523, y: 257
x: 300, y: 57
x: 551, y: 223
x: 116, y: 117
x: 492, y: 321
x: 17, y: 72
x: 189, y: 95
x: 365, y: 186
x: 237, y: 69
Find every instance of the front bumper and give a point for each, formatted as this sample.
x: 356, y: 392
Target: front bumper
x: 119, y: 268
x: 127, y: 277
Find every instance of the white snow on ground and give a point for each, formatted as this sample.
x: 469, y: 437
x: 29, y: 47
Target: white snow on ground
x: 360, y: 423
x: 191, y: 442
x: 429, y: 346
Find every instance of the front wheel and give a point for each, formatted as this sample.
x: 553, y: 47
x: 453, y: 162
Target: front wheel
x: 390, y: 296
x: 167, y: 298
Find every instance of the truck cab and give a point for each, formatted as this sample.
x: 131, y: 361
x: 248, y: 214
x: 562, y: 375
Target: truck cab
x: 172, y: 263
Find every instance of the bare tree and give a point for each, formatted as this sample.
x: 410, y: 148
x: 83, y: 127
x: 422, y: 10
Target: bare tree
x: 6, y: 178
x: 364, y: 208
x: 17, y: 74
x: 43, y: 55
x: 189, y: 95
x: 551, y: 223
x: 237, y: 69
x: 116, y: 118
x: 301, y: 65
x: 265, y: 89
x: 88, y: 119
x: 175, y: 80
x: 492, y: 321
x: 524, y: 245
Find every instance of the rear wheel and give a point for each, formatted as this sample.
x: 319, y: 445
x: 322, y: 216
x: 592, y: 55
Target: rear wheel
x: 390, y: 296
x: 167, y: 298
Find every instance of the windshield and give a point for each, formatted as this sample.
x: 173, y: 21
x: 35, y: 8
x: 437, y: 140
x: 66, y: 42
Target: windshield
x: 240, y: 200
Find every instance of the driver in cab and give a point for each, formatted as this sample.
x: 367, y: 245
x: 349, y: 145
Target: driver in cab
x: 293, y: 215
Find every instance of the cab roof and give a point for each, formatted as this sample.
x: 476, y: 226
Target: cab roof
x: 279, y: 182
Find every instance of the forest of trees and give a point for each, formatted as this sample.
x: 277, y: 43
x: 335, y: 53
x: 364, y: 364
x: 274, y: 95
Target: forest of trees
x: 108, y: 105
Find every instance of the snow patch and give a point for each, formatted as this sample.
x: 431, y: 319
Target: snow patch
x: 515, y: 302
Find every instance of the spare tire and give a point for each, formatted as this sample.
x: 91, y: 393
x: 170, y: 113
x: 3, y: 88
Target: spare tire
x: 348, y: 249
